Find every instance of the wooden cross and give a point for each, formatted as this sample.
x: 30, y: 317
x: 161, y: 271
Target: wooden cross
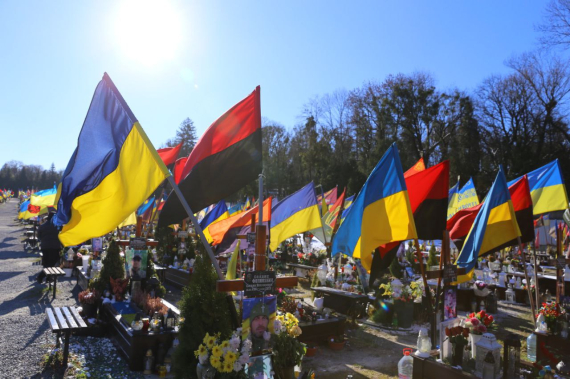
x: 260, y: 256
x: 138, y: 233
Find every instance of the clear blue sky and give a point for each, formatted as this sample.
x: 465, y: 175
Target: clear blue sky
x: 197, y: 59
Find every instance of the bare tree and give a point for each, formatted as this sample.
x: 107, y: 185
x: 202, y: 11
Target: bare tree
x: 556, y: 25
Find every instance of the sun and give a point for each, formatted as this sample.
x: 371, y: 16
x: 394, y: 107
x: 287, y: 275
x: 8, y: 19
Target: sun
x: 148, y: 32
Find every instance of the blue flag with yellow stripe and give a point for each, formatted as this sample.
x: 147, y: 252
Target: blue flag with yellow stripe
x: 381, y: 212
x: 494, y: 225
x: 297, y: 213
x: 218, y: 213
x: 113, y: 169
x: 546, y: 188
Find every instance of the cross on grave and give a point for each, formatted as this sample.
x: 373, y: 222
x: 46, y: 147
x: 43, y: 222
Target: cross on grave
x: 138, y: 234
x: 259, y: 265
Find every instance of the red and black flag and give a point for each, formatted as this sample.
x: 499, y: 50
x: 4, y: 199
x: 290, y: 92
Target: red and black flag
x: 460, y: 224
x: 169, y: 154
x: 225, y: 159
x: 428, y: 191
x: 178, y: 167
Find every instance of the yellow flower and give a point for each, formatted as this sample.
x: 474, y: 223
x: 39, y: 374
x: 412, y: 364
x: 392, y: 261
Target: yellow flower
x: 217, y: 351
x: 215, y: 362
x: 230, y: 357
x: 227, y: 367
x: 225, y: 344
x: 201, y: 351
x: 206, y: 338
x: 210, y: 342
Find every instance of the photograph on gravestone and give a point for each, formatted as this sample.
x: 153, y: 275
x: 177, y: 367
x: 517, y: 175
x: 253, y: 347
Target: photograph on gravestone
x: 450, y: 303
x: 259, y: 367
x: 259, y: 283
x: 258, y: 319
x: 251, y: 238
x: 136, y: 263
x: 97, y: 244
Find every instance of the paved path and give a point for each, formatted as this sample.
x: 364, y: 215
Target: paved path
x: 25, y: 335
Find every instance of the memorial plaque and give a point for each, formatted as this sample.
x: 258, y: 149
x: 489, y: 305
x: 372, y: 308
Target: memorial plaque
x: 259, y: 283
x: 138, y: 243
x: 182, y: 234
x: 561, y: 263
x: 251, y: 238
x: 450, y: 273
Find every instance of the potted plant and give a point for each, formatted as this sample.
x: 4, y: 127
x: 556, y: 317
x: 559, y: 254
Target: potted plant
x: 551, y: 311
x: 288, y: 352
x: 336, y: 342
x: 311, y: 350
x: 88, y: 300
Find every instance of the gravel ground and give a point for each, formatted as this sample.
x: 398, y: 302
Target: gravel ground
x: 26, y: 338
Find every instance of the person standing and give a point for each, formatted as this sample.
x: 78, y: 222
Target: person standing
x: 50, y: 245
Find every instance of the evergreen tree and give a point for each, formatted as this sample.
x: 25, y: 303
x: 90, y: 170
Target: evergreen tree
x: 205, y: 311
x: 186, y: 134
x: 113, y: 267
x: 432, y: 259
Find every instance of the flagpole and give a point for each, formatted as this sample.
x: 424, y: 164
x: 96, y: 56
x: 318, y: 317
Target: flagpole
x: 532, y: 307
x: 536, y: 293
x: 197, y: 227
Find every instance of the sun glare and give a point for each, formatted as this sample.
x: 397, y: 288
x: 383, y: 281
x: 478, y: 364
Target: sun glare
x: 148, y: 32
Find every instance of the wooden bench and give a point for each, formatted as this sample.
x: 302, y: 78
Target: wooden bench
x: 64, y: 320
x: 51, y: 274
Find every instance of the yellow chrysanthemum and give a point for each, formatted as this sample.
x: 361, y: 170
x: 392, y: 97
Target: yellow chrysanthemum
x: 217, y: 351
x: 225, y: 344
x: 215, y: 362
x: 210, y: 342
x: 201, y: 351
x: 228, y: 367
x: 230, y: 357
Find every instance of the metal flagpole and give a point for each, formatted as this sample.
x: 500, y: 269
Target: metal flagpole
x: 197, y: 227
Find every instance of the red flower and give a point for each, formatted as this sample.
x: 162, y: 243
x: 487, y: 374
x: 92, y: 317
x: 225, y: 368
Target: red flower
x: 447, y: 332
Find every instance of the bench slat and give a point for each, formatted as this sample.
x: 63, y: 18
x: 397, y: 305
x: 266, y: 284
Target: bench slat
x: 61, y: 319
x: 58, y: 271
x: 47, y: 271
x: 52, y: 322
x: 70, y: 319
x: 79, y: 319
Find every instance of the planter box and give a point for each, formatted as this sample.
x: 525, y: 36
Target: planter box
x: 319, y: 331
x: 134, y: 344
x: 428, y: 368
x: 177, y: 278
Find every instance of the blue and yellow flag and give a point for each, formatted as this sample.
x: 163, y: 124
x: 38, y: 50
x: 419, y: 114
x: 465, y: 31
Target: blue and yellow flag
x: 145, y: 206
x: 464, y: 198
x: 113, y: 169
x: 236, y: 209
x: 297, y: 213
x: 546, y: 188
x: 495, y: 224
x: 347, y: 204
x: 381, y: 212
x: 218, y: 213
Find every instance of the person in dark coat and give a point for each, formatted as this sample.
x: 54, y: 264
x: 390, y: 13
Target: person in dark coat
x: 50, y: 245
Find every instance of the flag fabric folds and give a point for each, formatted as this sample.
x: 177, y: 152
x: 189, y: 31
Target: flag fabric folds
x: 178, y: 167
x: 130, y: 220
x: 225, y: 159
x: 218, y: 213
x: 464, y: 198
x: 380, y: 214
x: 169, y: 154
x: 428, y: 191
x: 329, y: 220
x: 113, y: 169
x: 145, y: 206
x: 494, y: 225
x: 38, y: 203
x: 547, y: 188
x: 233, y: 224
x: 460, y: 224
x: 297, y: 213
